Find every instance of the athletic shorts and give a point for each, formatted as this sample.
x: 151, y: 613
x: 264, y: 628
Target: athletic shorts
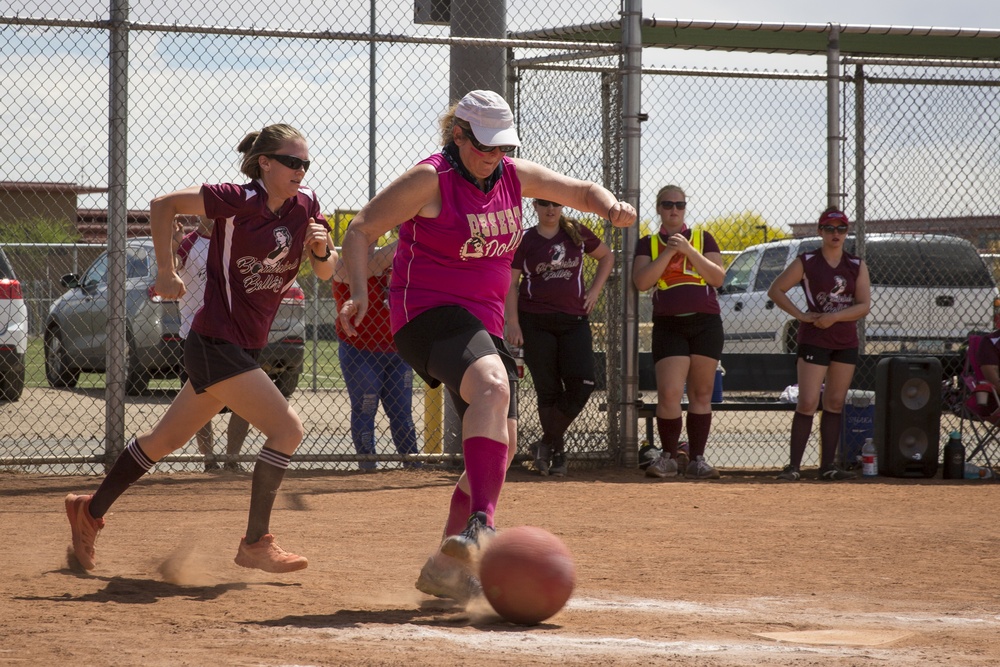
x: 211, y: 360
x: 684, y: 335
x: 822, y: 356
x: 440, y: 344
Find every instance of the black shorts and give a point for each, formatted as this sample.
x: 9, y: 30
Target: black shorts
x: 822, y: 356
x: 684, y: 335
x: 210, y: 360
x: 440, y: 344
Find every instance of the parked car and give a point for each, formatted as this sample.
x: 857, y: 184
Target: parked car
x: 928, y: 292
x: 76, y: 330
x: 13, y: 332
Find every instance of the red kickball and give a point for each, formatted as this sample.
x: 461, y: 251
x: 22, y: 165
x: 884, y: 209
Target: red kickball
x: 527, y: 574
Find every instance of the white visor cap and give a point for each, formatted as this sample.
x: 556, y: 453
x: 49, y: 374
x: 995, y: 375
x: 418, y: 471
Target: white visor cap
x: 490, y: 118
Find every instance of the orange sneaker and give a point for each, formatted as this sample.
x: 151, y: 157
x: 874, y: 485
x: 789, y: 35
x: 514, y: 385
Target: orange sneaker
x: 265, y: 555
x: 85, y: 529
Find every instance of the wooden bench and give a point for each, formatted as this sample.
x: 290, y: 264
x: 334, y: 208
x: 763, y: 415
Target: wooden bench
x: 754, y: 382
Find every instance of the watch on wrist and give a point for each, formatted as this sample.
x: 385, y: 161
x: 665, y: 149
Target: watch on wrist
x: 324, y: 257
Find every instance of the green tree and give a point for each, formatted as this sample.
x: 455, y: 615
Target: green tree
x: 38, y: 230
x: 740, y: 230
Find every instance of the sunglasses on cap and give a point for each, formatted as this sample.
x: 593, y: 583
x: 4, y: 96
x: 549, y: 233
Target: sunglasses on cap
x: 667, y: 204
x: 830, y: 229
x: 290, y: 161
x: 546, y: 203
x: 483, y: 148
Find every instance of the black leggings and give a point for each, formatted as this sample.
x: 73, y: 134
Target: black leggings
x: 559, y: 353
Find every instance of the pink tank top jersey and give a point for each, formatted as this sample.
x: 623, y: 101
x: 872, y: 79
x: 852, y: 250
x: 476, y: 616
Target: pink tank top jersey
x: 463, y: 256
x: 254, y: 257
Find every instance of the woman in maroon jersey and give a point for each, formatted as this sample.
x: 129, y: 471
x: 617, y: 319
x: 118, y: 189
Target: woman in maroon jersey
x: 685, y: 267
x: 838, y: 294
x: 546, y: 311
x: 264, y: 230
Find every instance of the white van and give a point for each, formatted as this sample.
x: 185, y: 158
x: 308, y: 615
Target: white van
x: 928, y: 292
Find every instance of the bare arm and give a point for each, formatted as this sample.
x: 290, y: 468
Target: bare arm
x: 511, y: 319
x: 542, y: 183
x: 162, y: 212
x: 605, y: 263
x: 414, y: 193
x: 646, y: 270
x: 789, y: 278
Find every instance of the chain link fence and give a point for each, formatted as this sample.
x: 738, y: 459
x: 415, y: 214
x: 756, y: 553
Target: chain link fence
x: 367, y: 84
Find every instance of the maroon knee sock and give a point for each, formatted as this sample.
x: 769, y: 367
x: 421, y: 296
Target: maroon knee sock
x: 670, y: 433
x: 801, y: 428
x: 699, y: 425
x: 829, y: 436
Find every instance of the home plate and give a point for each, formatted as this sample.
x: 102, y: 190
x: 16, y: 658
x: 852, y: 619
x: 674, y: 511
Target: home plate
x: 837, y: 637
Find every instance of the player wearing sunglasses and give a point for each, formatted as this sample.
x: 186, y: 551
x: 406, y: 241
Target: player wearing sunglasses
x: 838, y: 293
x: 274, y: 217
x: 461, y: 218
x: 683, y: 267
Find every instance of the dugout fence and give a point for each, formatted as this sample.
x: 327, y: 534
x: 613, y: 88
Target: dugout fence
x: 111, y: 111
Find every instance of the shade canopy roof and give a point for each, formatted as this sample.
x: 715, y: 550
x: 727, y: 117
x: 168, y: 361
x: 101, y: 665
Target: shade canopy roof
x: 804, y: 38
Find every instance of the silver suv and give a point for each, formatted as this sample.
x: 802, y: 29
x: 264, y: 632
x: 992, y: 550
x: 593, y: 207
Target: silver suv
x: 77, y: 325
x: 13, y: 333
x: 928, y: 292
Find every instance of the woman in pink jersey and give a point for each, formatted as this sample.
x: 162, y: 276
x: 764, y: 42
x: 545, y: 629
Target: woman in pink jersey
x: 683, y: 267
x: 460, y: 211
x: 838, y: 294
x: 272, y: 213
x: 547, y: 312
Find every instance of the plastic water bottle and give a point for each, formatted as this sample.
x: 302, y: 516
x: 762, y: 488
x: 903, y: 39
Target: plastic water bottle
x: 869, y: 459
x: 954, y: 457
x: 518, y: 353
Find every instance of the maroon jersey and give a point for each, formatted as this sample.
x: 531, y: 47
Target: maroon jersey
x: 253, y: 258
x: 829, y: 289
x: 552, y: 271
x: 685, y: 293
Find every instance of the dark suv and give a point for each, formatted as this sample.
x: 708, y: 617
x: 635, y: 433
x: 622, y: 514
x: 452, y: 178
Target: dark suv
x: 77, y: 325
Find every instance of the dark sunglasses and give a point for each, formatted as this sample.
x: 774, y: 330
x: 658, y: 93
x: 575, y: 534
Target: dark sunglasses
x: 291, y: 161
x: 667, y: 204
x: 830, y: 229
x: 483, y: 148
x: 546, y: 203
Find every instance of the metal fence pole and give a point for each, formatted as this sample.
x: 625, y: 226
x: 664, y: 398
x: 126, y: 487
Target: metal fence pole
x: 834, y: 192
x: 114, y: 435
x: 632, y: 79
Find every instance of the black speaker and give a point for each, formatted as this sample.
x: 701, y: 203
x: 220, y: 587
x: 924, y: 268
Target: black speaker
x: 907, y: 416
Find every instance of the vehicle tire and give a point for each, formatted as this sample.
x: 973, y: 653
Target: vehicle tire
x: 11, y: 385
x: 792, y: 337
x: 58, y: 372
x: 137, y: 377
x: 286, y: 381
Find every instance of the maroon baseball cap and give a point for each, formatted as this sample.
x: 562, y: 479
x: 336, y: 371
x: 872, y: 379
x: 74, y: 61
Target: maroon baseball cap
x: 833, y: 217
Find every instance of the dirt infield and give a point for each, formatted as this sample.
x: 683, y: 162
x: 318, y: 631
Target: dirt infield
x: 742, y: 571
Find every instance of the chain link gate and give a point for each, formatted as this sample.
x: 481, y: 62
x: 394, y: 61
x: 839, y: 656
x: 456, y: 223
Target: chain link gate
x: 197, y: 81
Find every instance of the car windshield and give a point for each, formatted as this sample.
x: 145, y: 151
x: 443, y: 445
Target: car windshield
x: 913, y: 263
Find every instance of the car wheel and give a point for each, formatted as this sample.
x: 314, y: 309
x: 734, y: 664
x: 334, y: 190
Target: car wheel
x: 11, y: 384
x: 58, y: 372
x: 286, y: 381
x: 137, y: 376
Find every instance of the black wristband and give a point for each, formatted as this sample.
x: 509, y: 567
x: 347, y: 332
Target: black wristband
x: 324, y: 257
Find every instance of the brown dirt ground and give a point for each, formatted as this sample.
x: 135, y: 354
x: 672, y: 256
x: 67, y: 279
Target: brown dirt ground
x: 883, y: 572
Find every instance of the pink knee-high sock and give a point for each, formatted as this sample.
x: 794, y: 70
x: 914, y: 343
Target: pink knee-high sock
x: 459, y: 513
x: 485, y: 468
